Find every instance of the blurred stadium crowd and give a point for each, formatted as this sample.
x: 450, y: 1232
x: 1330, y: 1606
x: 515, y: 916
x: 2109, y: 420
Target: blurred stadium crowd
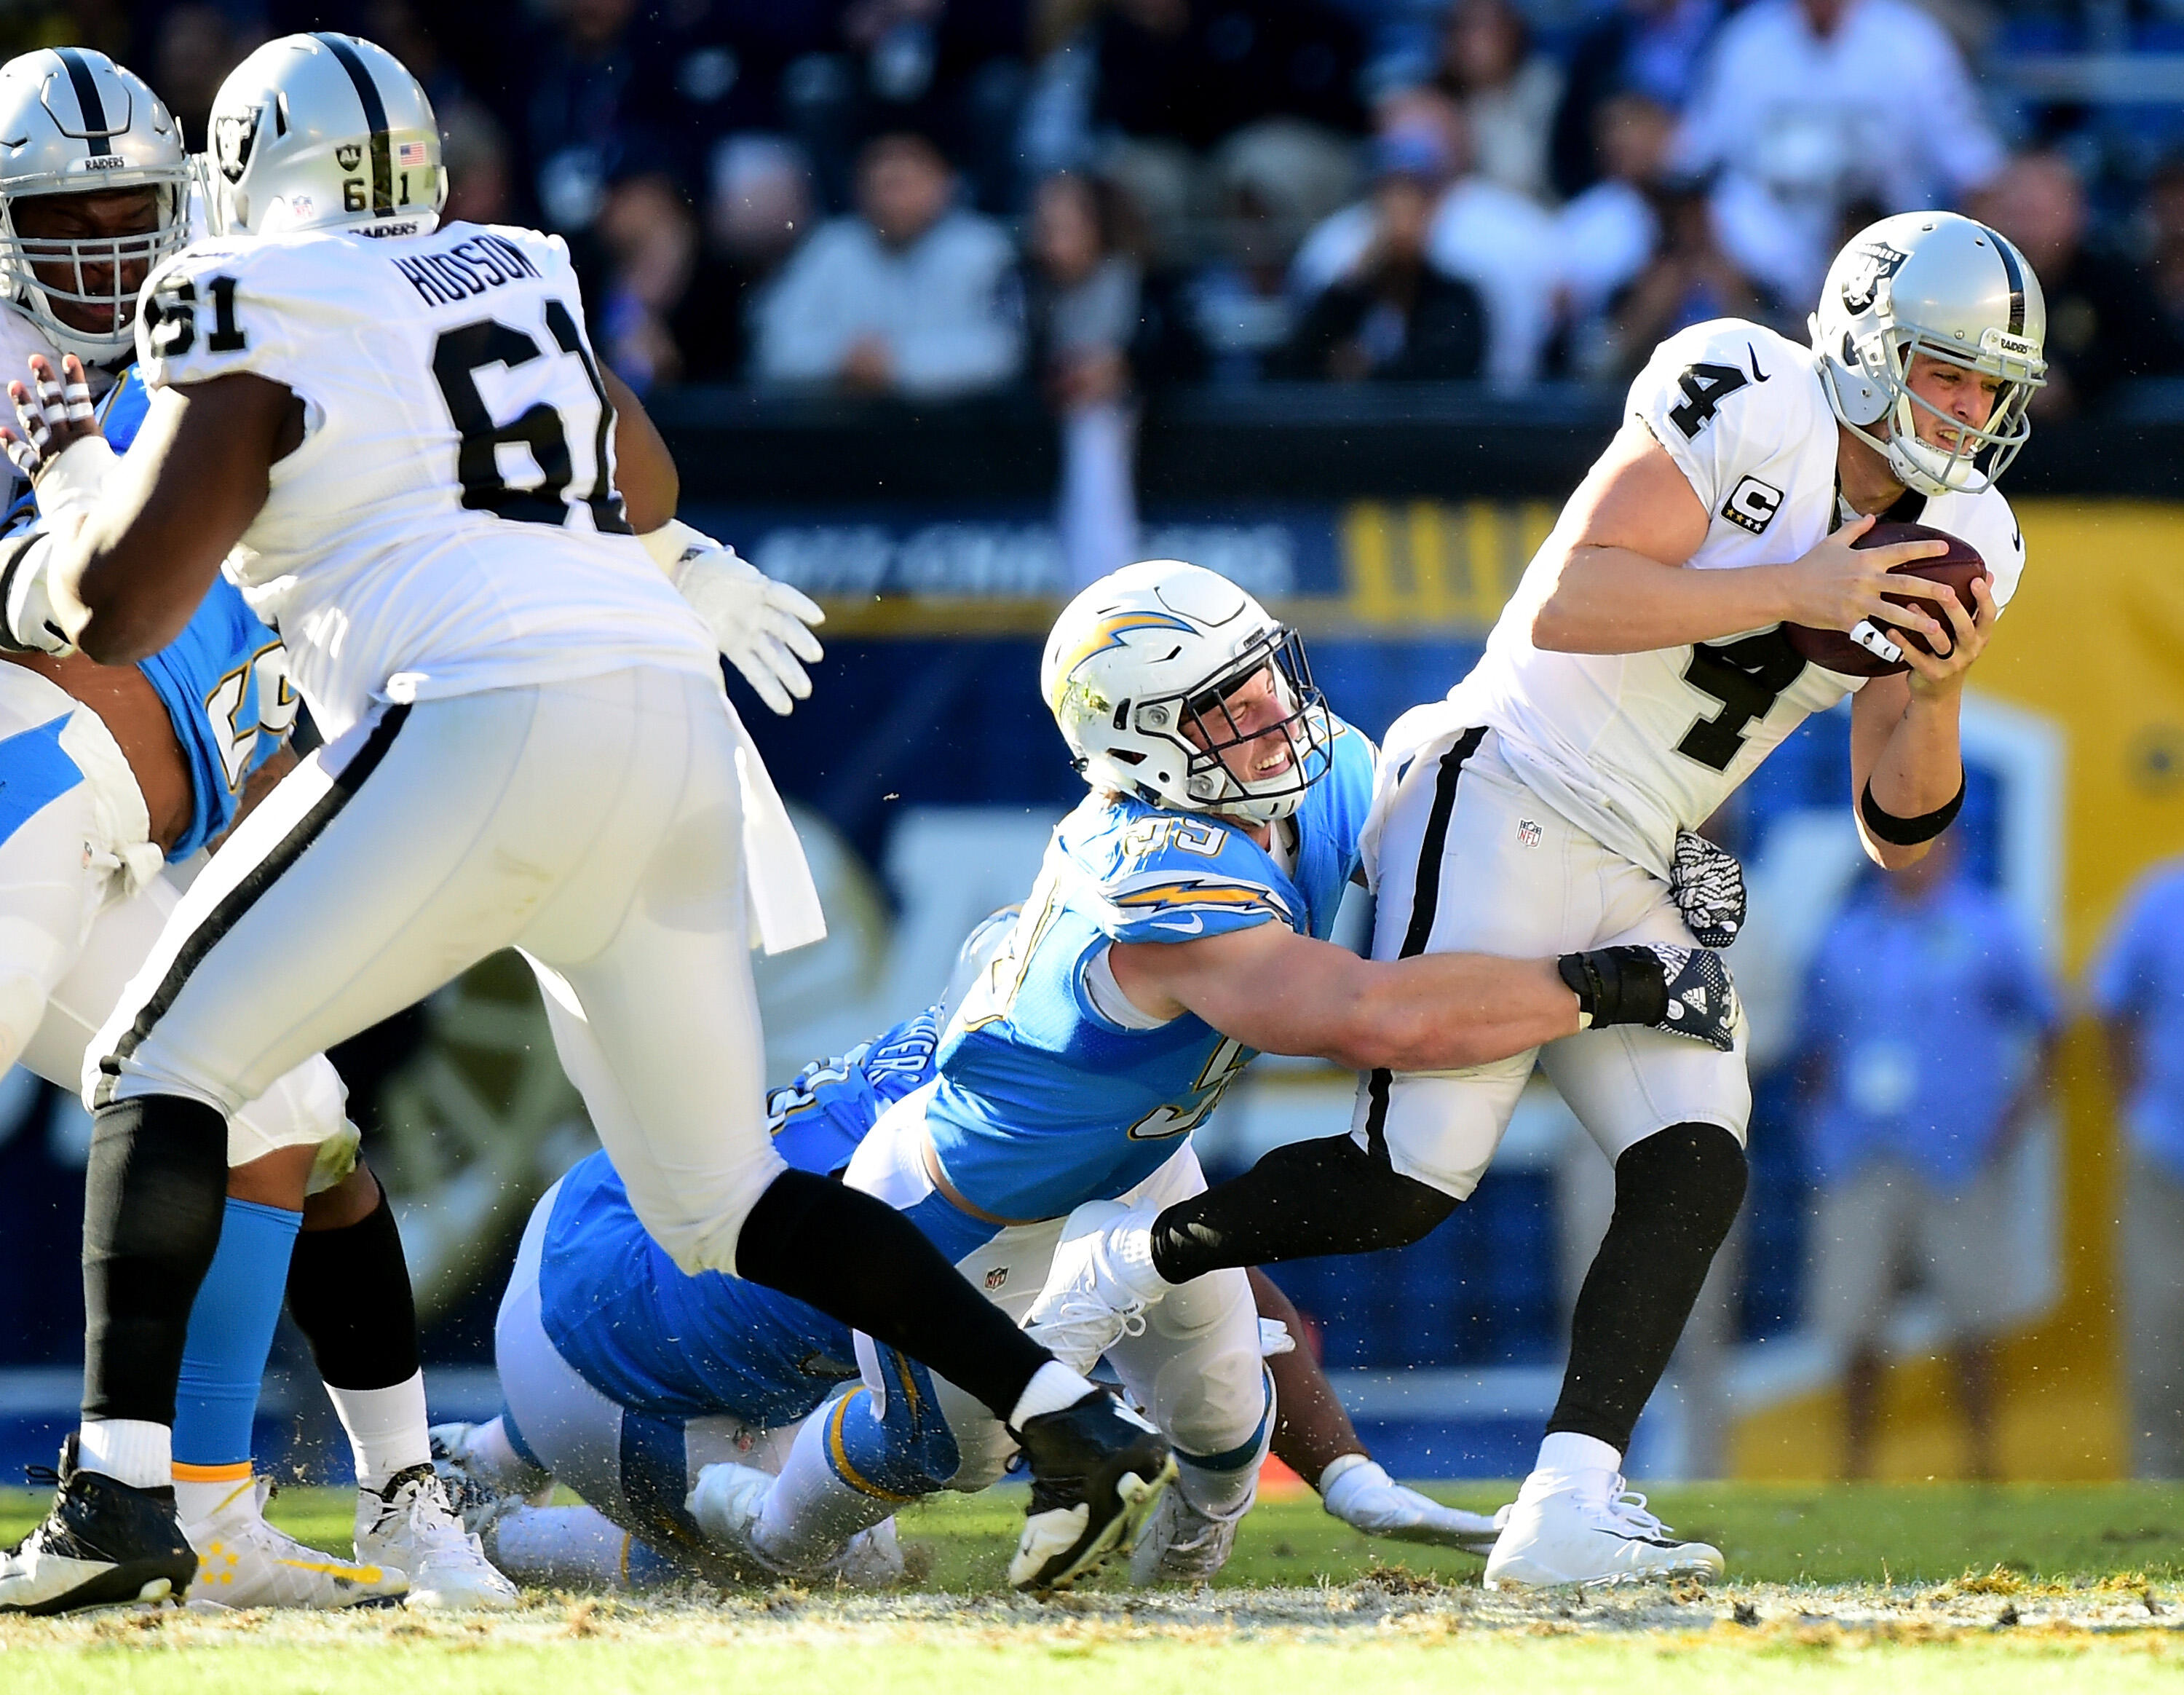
x: 1099, y: 197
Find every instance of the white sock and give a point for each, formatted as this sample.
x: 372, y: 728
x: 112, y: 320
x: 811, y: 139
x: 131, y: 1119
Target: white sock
x: 488, y: 1454
x: 127, y: 1450
x: 1053, y: 1386
x: 1218, y: 1494
x: 200, y: 1498
x: 1128, y: 1253
x: 561, y: 1547
x: 387, y: 1428
x: 1565, y: 1456
x: 811, y: 1512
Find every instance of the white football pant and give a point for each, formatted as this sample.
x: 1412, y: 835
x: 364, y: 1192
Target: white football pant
x: 1195, y: 1369
x: 1470, y: 860
x: 576, y: 1433
x: 595, y: 824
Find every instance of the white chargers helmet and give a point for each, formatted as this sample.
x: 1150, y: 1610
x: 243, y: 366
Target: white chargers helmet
x: 1940, y: 284
x: 72, y: 121
x: 323, y: 131
x: 1140, y: 671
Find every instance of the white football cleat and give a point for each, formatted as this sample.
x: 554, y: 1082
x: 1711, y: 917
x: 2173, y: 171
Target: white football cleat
x: 1365, y: 1498
x: 726, y: 1500
x: 1098, y: 1285
x: 1178, y: 1544
x: 409, y: 1527
x: 1587, y: 1529
x: 242, y: 1561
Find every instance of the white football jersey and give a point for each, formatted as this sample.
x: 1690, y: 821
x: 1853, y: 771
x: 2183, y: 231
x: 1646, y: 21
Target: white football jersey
x: 1634, y: 747
x: 450, y: 523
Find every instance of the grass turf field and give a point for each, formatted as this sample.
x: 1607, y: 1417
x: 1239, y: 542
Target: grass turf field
x: 1913, y: 1588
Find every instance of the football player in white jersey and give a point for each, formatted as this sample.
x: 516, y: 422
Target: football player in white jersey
x: 114, y: 772
x: 400, y: 433
x: 1640, y: 673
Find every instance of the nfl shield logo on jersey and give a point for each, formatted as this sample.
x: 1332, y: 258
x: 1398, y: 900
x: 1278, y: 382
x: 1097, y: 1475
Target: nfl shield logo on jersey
x: 995, y: 1277
x: 1528, y: 832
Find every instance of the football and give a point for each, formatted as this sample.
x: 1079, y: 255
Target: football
x: 1837, y: 652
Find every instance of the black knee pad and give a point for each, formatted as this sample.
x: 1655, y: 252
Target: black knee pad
x: 1689, y: 1179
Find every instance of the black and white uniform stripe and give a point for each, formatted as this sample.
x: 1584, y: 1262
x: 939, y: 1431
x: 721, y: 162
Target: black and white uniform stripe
x: 92, y: 108
x: 379, y: 150
x: 248, y: 892
x: 1425, y: 906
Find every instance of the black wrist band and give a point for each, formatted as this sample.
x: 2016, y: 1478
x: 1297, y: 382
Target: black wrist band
x: 1576, y: 970
x: 1886, y: 827
x: 1616, y: 985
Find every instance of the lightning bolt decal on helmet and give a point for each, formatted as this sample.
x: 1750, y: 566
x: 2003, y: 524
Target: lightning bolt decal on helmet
x: 1138, y: 671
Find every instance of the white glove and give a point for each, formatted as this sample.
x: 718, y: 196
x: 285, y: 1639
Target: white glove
x: 759, y: 625
x: 1358, y: 1492
x: 28, y: 622
x: 1707, y: 883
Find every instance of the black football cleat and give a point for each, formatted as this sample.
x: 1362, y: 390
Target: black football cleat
x: 103, y: 1543
x: 1097, y: 1470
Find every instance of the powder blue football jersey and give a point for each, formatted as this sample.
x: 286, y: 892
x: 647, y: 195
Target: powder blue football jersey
x: 1043, y: 1102
x: 649, y: 1335
x: 223, y: 680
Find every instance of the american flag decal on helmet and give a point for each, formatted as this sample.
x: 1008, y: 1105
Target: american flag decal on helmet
x: 409, y: 155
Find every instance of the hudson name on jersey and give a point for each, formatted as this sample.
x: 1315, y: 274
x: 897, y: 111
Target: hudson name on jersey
x: 1046, y: 1098
x: 450, y: 523
x: 1634, y: 747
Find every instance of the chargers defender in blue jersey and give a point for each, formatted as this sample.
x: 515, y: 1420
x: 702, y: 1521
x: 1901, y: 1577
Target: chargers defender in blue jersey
x: 1178, y: 926
x: 624, y: 1377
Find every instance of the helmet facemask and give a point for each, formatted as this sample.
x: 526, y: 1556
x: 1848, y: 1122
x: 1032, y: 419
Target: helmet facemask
x: 1981, y: 453
x: 44, y: 270
x: 1205, y: 725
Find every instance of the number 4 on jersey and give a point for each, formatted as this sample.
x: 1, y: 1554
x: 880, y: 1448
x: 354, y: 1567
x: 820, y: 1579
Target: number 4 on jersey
x: 1705, y: 387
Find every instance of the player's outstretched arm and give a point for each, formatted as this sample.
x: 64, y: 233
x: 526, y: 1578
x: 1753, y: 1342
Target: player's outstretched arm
x: 122, y: 568
x: 1620, y: 586
x: 1274, y: 990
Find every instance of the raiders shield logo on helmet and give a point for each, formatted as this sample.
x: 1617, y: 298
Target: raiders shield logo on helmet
x: 1875, y: 265
x: 348, y: 155
x: 233, y: 138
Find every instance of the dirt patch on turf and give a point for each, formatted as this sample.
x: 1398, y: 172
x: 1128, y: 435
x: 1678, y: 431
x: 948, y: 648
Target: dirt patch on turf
x: 1389, y: 1602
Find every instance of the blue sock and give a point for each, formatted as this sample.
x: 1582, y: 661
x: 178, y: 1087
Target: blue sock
x: 230, y: 1334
